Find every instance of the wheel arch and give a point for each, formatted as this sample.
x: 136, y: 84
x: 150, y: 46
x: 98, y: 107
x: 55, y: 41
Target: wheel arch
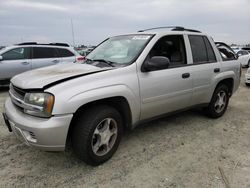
x: 120, y: 103
x: 229, y: 82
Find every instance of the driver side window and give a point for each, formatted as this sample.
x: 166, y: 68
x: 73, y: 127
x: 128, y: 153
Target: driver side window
x: 17, y: 53
x: 171, y: 47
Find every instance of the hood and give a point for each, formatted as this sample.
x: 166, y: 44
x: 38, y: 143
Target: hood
x: 48, y: 76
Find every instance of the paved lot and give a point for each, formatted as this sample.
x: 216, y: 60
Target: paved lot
x: 185, y: 150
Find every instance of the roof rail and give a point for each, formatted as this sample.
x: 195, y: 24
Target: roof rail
x: 35, y: 43
x: 173, y: 28
x: 59, y: 44
x: 27, y: 43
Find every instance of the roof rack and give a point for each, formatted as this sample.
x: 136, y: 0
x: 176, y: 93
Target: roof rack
x: 35, y: 43
x: 173, y: 28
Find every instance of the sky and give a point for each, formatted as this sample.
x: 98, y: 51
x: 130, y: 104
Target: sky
x: 95, y: 20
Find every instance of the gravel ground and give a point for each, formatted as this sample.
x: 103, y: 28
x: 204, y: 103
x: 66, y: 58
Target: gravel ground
x: 185, y: 150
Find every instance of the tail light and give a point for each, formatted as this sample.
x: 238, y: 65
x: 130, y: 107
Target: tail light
x: 80, y: 59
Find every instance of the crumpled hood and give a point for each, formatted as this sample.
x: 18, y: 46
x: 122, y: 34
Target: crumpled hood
x: 43, y: 77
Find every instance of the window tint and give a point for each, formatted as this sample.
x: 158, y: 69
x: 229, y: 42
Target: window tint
x: 64, y: 52
x: 172, y: 47
x: 198, y: 48
x: 44, y: 52
x: 210, y: 51
x: 17, y: 53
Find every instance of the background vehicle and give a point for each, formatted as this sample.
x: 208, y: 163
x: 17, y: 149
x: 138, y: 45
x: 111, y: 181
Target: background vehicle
x: 27, y: 56
x: 248, y: 77
x: 126, y: 80
x: 244, y: 58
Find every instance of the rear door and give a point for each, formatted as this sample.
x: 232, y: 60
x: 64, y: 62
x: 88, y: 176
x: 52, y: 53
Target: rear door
x: 15, y: 61
x: 204, y: 69
x: 44, y: 56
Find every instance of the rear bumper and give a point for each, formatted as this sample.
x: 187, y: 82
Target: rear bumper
x: 48, y: 134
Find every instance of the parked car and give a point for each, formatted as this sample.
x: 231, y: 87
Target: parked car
x: 226, y: 52
x: 246, y: 48
x: 27, y: 56
x: 126, y: 80
x: 248, y: 77
x: 244, y: 58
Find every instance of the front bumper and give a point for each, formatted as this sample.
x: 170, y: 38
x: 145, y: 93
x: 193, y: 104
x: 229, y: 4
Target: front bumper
x: 247, y: 80
x: 48, y: 134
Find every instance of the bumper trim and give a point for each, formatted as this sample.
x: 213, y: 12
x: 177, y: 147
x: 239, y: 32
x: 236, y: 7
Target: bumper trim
x: 7, y: 123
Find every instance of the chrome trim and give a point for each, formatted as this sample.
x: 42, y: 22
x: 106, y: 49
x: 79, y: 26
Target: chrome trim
x: 23, y: 104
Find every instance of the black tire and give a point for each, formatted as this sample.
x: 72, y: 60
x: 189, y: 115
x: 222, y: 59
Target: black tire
x: 83, y: 133
x: 211, y: 109
x: 248, y: 65
x: 247, y: 84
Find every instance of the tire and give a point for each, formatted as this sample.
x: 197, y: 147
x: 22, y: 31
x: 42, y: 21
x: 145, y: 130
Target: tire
x: 247, y: 84
x: 91, y: 132
x: 248, y: 65
x: 217, y: 107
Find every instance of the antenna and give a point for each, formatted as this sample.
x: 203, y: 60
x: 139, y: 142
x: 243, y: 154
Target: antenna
x: 72, y: 31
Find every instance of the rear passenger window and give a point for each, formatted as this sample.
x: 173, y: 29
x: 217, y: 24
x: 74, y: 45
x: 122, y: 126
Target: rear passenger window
x: 198, y: 48
x: 65, y: 52
x: 202, y: 50
x: 44, y: 52
x: 210, y: 51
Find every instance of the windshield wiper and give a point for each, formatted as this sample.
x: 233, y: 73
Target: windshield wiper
x: 110, y: 63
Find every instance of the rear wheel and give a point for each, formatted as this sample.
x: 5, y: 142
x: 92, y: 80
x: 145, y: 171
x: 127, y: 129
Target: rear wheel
x: 248, y: 65
x: 219, y: 102
x: 247, y: 84
x: 96, y: 134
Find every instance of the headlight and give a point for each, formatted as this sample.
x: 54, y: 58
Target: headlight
x: 39, y: 104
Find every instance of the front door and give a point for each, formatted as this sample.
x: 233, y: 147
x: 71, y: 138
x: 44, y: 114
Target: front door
x: 169, y: 89
x: 15, y: 61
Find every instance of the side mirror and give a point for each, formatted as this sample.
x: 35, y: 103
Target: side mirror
x: 156, y: 63
x: 1, y: 58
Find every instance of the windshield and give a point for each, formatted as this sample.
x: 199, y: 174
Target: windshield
x: 120, y: 49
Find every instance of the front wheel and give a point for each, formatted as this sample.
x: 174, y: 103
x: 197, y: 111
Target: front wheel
x: 96, y: 134
x: 219, y: 102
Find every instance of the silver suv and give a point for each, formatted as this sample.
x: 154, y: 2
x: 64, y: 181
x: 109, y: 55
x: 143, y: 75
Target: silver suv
x: 125, y: 81
x: 27, y: 56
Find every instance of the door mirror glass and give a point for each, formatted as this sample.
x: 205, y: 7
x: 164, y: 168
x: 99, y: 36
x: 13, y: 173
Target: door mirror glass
x: 156, y: 63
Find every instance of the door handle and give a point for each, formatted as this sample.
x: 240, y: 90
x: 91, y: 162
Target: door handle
x: 217, y: 70
x: 55, y: 61
x: 25, y: 63
x: 185, y: 75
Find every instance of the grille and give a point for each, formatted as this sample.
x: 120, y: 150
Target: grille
x: 17, y: 96
x: 20, y: 93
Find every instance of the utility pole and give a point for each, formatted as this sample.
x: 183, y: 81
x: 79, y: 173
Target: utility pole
x: 73, y: 34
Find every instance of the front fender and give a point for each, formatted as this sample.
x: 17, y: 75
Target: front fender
x: 76, y: 101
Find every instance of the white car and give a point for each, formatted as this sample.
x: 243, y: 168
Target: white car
x: 248, y: 77
x: 244, y: 58
x: 27, y: 56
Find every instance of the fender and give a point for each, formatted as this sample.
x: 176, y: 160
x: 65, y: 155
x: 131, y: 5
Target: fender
x: 82, y: 98
x: 219, y: 77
